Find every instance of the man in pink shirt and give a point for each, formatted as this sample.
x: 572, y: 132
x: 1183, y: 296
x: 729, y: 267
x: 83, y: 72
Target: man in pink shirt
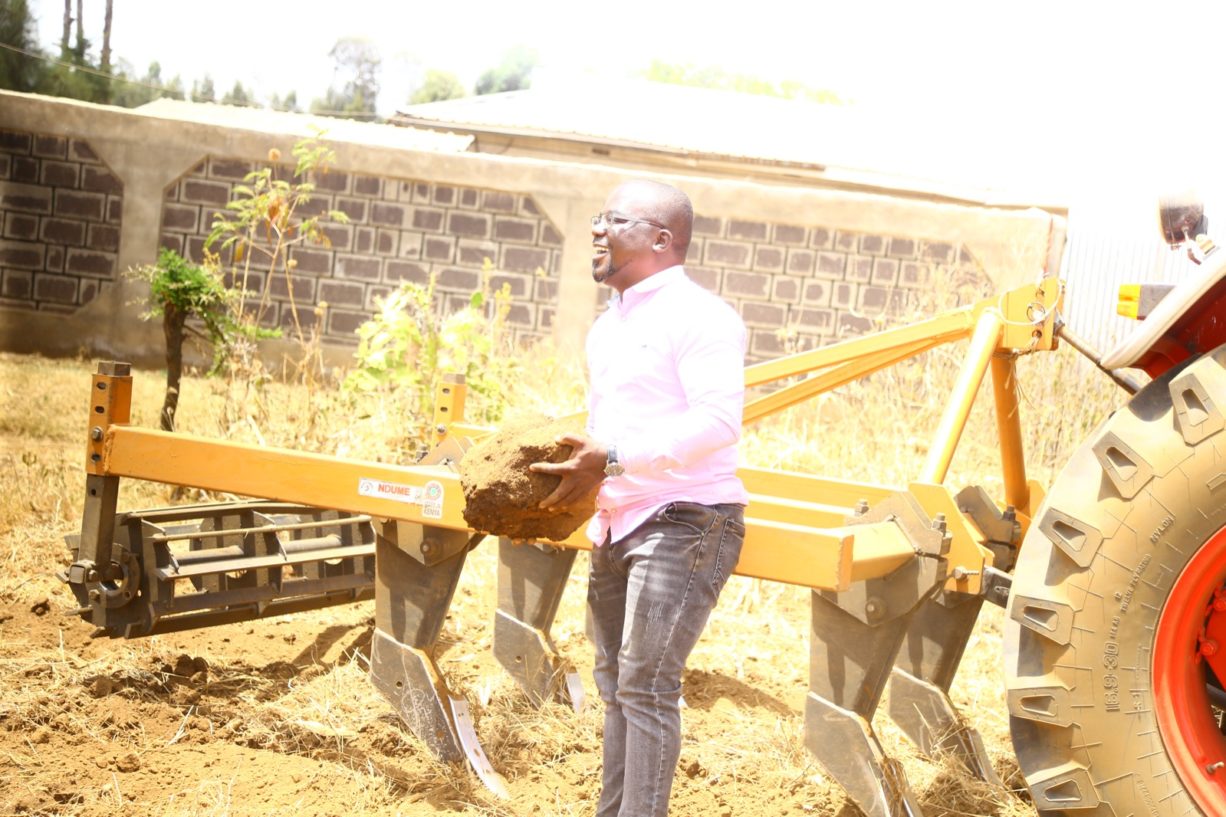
x: 666, y: 370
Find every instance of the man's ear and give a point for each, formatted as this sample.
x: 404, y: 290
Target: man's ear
x: 664, y: 240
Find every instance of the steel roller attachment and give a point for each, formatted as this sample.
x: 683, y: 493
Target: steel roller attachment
x: 174, y: 569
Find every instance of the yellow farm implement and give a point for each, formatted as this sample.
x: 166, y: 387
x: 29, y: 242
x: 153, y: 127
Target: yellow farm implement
x: 898, y: 575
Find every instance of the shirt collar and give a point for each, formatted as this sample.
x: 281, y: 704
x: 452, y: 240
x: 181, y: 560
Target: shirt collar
x: 640, y: 291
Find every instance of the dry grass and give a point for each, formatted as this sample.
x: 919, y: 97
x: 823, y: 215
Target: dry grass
x: 283, y: 720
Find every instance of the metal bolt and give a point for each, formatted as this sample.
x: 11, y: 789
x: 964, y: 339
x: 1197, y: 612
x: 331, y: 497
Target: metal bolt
x: 95, y: 433
x: 960, y: 573
x: 1219, y: 604
x: 95, y: 595
x: 1010, y: 514
x: 92, y: 575
x: 440, y: 428
x: 427, y: 545
x: 861, y: 507
x: 1213, y: 767
x: 938, y: 523
x: 1208, y: 647
x: 874, y: 608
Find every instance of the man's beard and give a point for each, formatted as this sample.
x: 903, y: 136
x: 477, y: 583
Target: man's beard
x: 609, y: 272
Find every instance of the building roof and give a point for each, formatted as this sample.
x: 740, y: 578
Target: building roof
x: 932, y: 152
x: 300, y: 124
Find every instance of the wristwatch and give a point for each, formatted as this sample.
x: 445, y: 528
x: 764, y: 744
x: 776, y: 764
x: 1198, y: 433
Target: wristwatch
x: 612, y: 467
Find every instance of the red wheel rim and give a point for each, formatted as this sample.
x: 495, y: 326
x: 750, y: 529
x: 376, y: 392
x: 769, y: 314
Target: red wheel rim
x: 1192, y: 635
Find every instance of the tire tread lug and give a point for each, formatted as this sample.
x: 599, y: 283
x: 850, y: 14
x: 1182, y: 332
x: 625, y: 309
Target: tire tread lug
x: 1051, y: 619
x: 1196, y: 396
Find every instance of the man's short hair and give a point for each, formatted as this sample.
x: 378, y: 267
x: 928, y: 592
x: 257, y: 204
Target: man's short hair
x: 674, y: 210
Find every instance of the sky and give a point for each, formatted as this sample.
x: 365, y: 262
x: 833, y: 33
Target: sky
x: 946, y: 51
x: 1106, y: 80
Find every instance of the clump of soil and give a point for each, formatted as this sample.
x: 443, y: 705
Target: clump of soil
x: 501, y: 496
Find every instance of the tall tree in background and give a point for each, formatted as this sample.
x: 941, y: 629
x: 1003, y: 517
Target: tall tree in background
x: 64, y: 47
x: 357, y: 63
x: 144, y: 89
x: 19, y: 72
x: 203, y: 91
x: 81, y: 44
x: 67, y: 79
x: 106, y: 38
x: 289, y: 102
x: 514, y: 73
x: 238, y: 95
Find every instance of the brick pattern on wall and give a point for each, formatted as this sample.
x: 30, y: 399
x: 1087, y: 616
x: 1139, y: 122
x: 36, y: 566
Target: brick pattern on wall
x: 60, y: 212
x: 799, y: 287
x: 399, y: 230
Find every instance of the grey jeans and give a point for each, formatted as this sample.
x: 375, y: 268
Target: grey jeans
x: 650, y: 595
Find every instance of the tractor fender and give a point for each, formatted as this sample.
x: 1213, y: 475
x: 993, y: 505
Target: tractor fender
x: 1189, y: 321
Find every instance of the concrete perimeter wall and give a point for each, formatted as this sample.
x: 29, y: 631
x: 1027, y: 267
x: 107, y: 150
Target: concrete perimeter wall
x: 88, y: 191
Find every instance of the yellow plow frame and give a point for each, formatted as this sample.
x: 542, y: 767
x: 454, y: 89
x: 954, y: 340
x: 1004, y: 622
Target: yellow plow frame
x: 898, y: 575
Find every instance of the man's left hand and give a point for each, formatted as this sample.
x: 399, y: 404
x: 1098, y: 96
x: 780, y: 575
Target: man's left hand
x: 580, y: 474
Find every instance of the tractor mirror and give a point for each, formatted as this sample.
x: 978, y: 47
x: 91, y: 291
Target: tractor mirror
x: 1182, y: 218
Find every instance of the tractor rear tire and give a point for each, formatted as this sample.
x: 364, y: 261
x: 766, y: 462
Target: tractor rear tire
x: 1106, y: 684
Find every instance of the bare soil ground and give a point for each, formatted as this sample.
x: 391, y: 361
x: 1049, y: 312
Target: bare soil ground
x: 276, y: 717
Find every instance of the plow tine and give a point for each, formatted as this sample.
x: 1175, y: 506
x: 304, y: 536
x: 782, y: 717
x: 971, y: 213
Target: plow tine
x: 854, y: 758
x: 923, y: 672
x: 935, y: 642
x: 493, y: 781
x: 847, y: 676
x: 927, y: 716
x: 854, y: 638
x: 417, y: 569
x: 531, y: 579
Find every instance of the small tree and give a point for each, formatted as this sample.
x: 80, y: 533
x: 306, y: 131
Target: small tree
x: 261, y: 226
x: 178, y: 292
x: 412, y: 341
x: 436, y: 87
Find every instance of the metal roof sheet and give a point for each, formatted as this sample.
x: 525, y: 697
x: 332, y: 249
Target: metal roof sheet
x: 300, y: 124
x: 938, y: 150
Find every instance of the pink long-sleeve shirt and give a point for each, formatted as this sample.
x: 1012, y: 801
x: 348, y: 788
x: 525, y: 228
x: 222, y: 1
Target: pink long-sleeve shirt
x: 666, y: 365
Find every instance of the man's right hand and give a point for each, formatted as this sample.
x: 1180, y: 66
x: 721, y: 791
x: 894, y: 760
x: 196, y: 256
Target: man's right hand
x: 580, y: 474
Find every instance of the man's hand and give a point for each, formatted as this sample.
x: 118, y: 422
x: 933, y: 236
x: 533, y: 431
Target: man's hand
x: 580, y: 474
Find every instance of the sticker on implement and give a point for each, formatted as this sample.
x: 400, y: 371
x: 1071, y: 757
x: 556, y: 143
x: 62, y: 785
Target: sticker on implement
x: 428, y: 496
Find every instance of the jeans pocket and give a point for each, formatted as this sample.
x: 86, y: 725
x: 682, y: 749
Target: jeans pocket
x: 731, y: 537
x: 698, y: 518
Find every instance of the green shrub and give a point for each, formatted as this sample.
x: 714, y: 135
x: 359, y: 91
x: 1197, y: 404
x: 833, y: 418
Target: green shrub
x: 410, y: 343
x: 178, y: 292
